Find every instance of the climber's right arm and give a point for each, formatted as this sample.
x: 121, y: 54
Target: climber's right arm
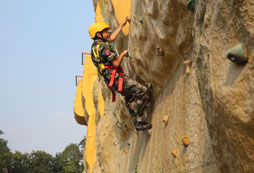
x: 116, y: 62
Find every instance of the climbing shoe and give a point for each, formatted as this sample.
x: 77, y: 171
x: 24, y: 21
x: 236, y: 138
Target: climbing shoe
x: 143, y: 126
x: 148, y: 85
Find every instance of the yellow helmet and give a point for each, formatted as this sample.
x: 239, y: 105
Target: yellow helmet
x: 97, y: 27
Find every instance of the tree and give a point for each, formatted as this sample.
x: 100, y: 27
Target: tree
x: 70, y: 159
x: 41, y: 162
x: 5, y: 154
x: 20, y: 162
x: 82, y: 144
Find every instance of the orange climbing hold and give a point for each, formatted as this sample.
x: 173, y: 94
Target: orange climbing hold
x: 186, y: 141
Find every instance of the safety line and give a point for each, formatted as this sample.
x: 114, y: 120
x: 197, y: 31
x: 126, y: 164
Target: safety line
x: 105, y: 14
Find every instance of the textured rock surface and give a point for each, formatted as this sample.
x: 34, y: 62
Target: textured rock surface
x: 213, y: 106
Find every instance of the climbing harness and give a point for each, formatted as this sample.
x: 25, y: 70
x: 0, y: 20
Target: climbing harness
x: 98, y: 59
x: 112, y: 79
x: 102, y: 67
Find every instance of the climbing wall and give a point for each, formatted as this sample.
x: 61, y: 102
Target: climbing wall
x: 203, y: 117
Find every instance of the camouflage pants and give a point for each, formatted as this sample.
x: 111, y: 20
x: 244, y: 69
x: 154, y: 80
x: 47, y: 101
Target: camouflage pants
x: 137, y: 97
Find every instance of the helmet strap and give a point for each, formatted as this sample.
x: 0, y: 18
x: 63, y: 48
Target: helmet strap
x: 102, y: 37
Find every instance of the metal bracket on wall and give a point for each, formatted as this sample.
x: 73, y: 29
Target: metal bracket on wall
x: 76, y: 79
x: 82, y: 56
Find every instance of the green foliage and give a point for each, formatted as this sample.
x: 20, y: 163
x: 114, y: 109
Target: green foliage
x: 68, y: 161
x: 82, y: 143
x: 5, y: 154
x: 20, y: 162
x: 41, y: 162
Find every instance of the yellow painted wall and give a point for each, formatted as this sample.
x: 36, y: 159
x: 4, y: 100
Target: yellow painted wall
x: 89, y: 76
x: 121, y: 8
x: 78, y: 105
x: 99, y: 12
x: 100, y: 103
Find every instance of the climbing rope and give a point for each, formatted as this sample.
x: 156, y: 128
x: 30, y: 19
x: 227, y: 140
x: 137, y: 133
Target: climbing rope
x: 112, y: 45
x: 105, y: 13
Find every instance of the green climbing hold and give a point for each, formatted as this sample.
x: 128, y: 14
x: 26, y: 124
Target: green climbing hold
x: 190, y: 4
x: 140, y: 19
x: 125, y: 125
x: 238, y: 54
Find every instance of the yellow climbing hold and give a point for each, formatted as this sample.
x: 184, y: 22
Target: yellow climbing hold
x: 125, y: 151
x: 187, y: 64
x: 186, y: 141
x: 174, y: 153
x: 165, y: 119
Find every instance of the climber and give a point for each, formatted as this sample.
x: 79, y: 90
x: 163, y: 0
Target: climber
x: 137, y: 96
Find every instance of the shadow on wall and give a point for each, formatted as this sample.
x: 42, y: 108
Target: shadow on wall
x: 139, y: 151
x: 234, y: 72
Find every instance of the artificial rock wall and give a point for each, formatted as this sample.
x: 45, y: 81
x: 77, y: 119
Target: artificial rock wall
x: 213, y: 106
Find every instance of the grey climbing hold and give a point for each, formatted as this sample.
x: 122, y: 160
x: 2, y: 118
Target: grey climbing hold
x: 159, y: 51
x: 119, y: 126
x: 190, y: 4
x: 238, y: 54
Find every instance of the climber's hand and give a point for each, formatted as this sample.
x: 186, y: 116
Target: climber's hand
x: 118, y: 29
x: 125, y: 20
x: 116, y: 62
x: 125, y: 52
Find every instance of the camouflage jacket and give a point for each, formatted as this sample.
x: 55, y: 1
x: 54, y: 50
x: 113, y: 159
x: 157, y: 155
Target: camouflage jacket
x: 106, y: 54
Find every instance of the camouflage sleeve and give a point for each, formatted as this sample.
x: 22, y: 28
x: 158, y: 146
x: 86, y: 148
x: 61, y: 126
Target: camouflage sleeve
x: 107, y: 52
